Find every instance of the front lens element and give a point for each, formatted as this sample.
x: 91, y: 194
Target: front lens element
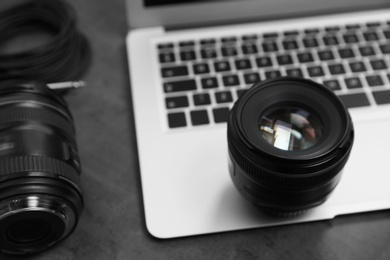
x: 290, y: 128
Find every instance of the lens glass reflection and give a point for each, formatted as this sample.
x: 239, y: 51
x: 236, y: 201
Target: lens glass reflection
x: 290, y: 128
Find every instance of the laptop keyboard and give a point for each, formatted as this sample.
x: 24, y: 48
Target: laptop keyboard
x: 201, y: 78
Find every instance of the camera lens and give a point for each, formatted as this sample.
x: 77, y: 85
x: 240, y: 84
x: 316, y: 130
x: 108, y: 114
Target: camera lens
x: 289, y: 139
x: 40, y: 194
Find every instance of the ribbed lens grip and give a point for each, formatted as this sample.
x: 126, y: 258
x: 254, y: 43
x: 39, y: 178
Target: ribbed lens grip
x: 36, y: 164
x: 25, y: 114
x: 286, y: 181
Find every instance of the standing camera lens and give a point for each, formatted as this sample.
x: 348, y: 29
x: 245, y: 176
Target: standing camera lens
x: 40, y: 196
x: 288, y: 141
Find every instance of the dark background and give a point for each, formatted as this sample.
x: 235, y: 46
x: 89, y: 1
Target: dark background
x: 112, y: 224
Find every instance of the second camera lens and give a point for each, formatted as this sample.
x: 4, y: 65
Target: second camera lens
x: 289, y: 140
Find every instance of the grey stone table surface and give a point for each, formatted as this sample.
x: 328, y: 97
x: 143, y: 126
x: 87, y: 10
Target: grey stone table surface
x: 112, y: 225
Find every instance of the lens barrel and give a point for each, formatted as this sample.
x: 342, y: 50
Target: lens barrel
x: 40, y: 194
x: 289, y: 139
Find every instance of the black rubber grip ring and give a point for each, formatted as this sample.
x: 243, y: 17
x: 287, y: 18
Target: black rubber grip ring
x: 20, y: 164
x: 46, y: 116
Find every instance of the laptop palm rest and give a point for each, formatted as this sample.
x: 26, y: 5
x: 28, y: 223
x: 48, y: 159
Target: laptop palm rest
x: 201, y: 198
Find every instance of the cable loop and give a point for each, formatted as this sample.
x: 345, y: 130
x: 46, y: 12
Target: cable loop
x: 64, y: 57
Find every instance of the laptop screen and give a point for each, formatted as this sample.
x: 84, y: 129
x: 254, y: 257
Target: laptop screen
x: 182, y: 13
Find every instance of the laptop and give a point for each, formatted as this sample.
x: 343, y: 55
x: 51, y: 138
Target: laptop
x: 190, y: 60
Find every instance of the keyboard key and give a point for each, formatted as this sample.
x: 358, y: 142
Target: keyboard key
x: 251, y: 78
x: 370, y: 36
x: 176, y: 120
x: 367, y: 51
x: 201, y: 68
x: 290, y: 45
x: 176, y: 102
x: 187, y: 44
x: 201, y: 99
x: 229, y: 50
x: 312, y: 31
x: 373, y: 24
x: 355, y: 100
x: 332, y: 29
x: 249, y: 49
x: 310, y: 42
x: 220, y: 66
x: 209, y: 82
x: 167, y: 57
x: 167, y: 45
x: 269, y: 46
x: 264, y: 62
x: 270, y: 35
x: 208, y: 41
x: 386, y: 33
x: 352, y: 26
x: 330, y: 40
x: 315, y: 71
x: 223, y: 97
x: 294, y: 73
x: 230, y: 80
x: 291, y: 33
x: 243, y: 64
x: 273, y: 74
x: 385, y: 48
x: 284, y: 59
x: 231, y: 39
x: 187, y: 55
x: 336, y: 69
x: 208, y: 53
x: 326, y: 55
x: 374, y: 80
x: 305, y: 57
x: 176, y: 86
x: 251, y: 37
x: 350, y: 38
x: 221, y: 115
x: 199, y: 117
x: 357, y: 66
x: 382, y: 97
x: 353, y: 83
x: 378, y: 64
x: 174, y: 71
x: 332, y: 84
x: 346, y: 53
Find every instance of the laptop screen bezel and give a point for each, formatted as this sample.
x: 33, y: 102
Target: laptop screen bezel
x: 222, y: 12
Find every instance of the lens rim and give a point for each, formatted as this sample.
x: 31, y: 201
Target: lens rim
x: 292, y: 92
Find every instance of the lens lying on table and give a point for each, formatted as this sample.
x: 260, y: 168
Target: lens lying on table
x: 288, y: 141
x: 40, y: 194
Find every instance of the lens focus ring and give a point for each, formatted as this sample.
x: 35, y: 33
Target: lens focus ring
x: 9, y: 167
x: 28, y: 114
x: 285, y: 180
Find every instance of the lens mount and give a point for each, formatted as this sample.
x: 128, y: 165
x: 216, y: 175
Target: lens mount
x: 288, y: 140
x: 30, y: 224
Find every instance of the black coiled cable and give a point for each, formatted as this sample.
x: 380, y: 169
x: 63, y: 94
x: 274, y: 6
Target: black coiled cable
x: 64, y: 57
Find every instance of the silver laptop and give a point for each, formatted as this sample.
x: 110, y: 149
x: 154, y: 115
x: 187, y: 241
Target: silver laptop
x: 190, y: 60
